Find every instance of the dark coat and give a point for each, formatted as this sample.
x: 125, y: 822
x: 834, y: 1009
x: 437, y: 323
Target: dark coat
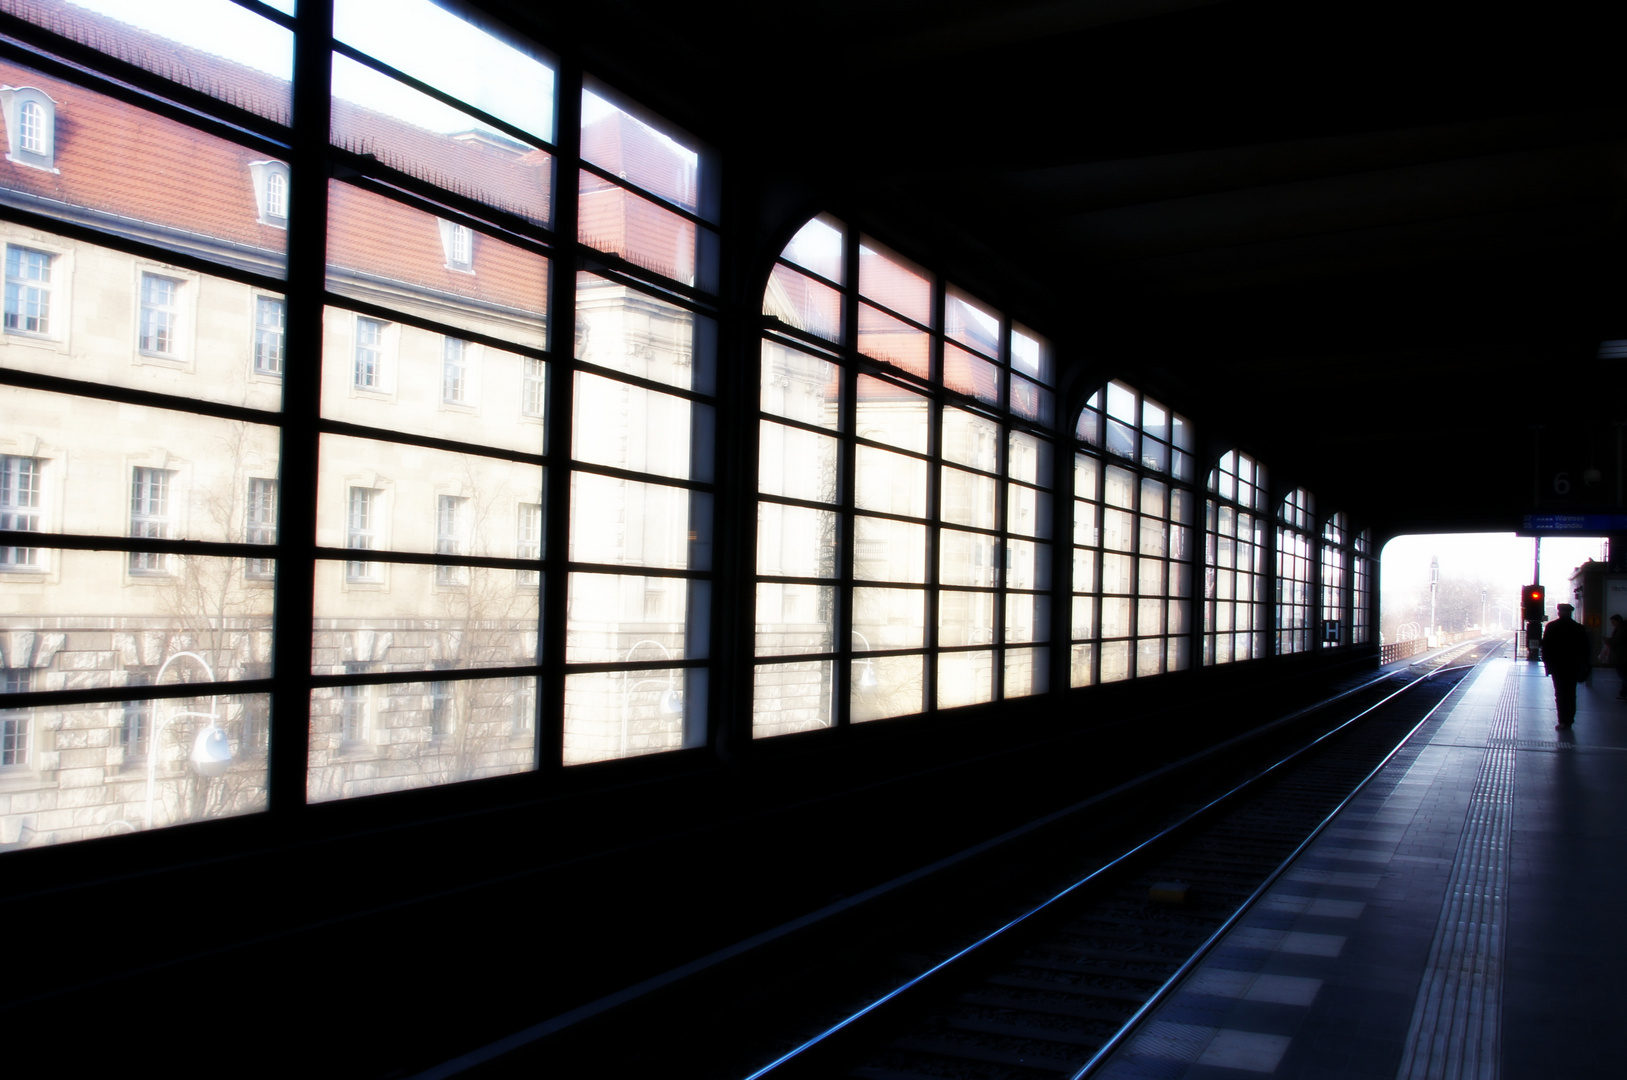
x: 1565, y: 650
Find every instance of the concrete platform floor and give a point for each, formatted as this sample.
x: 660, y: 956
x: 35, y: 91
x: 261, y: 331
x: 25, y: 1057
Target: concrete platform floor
x: 1465, y: 916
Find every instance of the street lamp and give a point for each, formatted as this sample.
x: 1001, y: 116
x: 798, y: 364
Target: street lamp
x: 867, y: 668
x: 211, y: 753
x: 672, y: 702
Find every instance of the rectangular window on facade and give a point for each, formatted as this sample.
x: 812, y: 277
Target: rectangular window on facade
x: 367, y: 373
x: 270, y: 332
x: 528, y: 539
x: 20, y: 508
x: 14, y: 722
x: 150, y: 517
x: 360, y: 522
x: 450, y: 514
x: 353, y: 710
x: 28, y: 290
x: 158, y: 333
x: 260, y: 522
x: 135, y: 721
x: 531, y: 388
x: 454, y: 372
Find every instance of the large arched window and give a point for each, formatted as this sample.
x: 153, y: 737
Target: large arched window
x: 904, y: 479
x: 1235, y: 587
x: 1336, y: 569
x: 1133, y: 533
x: 1361, y: 612
x: 1295, y: 566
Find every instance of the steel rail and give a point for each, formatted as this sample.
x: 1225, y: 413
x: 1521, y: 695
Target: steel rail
x: 1140, y: 848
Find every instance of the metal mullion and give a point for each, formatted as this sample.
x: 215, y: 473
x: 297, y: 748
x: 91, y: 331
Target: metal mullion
x: 774, y: 330
x: 350, y: 52
x: 538, y: 245
x: 934, y: 507
x: 266, y: 11
x: 595, y: 261
x: 704, y: 486
x: 368, y: 174
x: 351, y: 304
x: 643, y: 382
x: 106, y: 74
x: 700, y: 303
x: 624, y: 570
x: 553, y: 611
x: 644, y: 193
x: 396, y: 678
x: 420, y: 558
x: 430, y: 442
x: 228, y: 549
x: 900, y: 316
x: 125, y: 395
x: 73, y: 230
x: 847, y: 472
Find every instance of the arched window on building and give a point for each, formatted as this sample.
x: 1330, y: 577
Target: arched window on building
x: 1295, y: 569
x: 1336, y: 570
x: 1134, y: 522
x: 905, y: 458
x: 1235, y: 586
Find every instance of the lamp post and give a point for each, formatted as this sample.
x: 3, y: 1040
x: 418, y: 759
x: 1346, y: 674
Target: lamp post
x: 211, y: 753
x: 867, y: 672
x: 672, y: 702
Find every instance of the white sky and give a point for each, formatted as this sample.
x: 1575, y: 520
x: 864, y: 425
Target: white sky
x: 1502, y: 560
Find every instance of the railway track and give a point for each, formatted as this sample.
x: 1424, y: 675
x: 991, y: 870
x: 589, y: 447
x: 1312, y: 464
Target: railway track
x: 1052, y: 992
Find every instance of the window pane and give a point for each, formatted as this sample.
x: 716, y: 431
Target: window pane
x: 888, y: 550
x: 207, y: 756
x: 1031, y: 355
x: 888, y: 619
x: 893, y: 341
x: 969, y: 374
x: 1031, y: 402
x: 965, y: 618
x: 1028, y: 512
x: 488, y: 618
x: 176, y: 476
x: 627, y: 330
x: 1029, y: 460
x: 967, y: 558
x: 885, y: 686
x: 817, y: 246
x: 890, y: 483
x: 803, y: 303
x: 965, y: 678
x: 970, y: 323
x: 508, y: 285
x: 450, y: 53
x: 1086, y: 473
x: 894, y: 283
x: 1121, y: 402
x: 409, y: 369
x: 1082, y: 665
x: 624, y: 522
x: 185, y: 41
x: 620, y: 618
x: 1120, y: 487
x: 969, y: 439
x: 397, y: 736
x: 796, y: 463
x: 1028, y: 565
x: 1026, y: 672
x: 1027, y: 617
x: 967, y: 498
x: 641, y: 150
x: 628, y: 427
x: 800, y: 387
x: 787, y: 698
x: 620, y: 714
x: 794, y: 618
x: 1084, y: 617
x: 409, y: 481
x: 642, y: 231
x: 424, y: 138
x: 212, y: 353
x: 891, y: 414
x: 794, y: 541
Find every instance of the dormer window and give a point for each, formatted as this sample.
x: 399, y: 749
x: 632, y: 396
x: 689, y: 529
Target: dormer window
x: 271, y: 192
x: 30, y: 126
x: 458, y: 241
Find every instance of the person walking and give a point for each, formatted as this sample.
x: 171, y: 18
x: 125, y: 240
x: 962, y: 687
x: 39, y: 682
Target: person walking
x: 1618, y: 652
x: 1565, y: 654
